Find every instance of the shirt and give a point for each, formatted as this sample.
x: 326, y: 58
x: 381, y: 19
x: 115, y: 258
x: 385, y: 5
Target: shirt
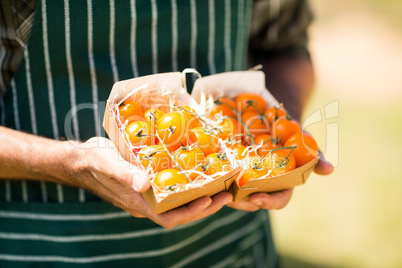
x: 278, y: 27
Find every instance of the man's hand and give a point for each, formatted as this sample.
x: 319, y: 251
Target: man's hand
x: 103, y: 171
x: 276, y: 200
x: 97, y: 166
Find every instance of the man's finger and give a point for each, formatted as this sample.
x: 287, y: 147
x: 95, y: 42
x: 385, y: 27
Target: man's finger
x: 243, y: 205
x: 183, y: 214
x: 218, y: 201
x: 112, y: 164
x: 323, y: 167
x: 276, y: 200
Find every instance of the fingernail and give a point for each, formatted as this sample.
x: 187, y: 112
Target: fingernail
x: 135, y: 188
x: 228, y: 200
x: 257, y: 202
x: 207, y: 204
x: 134, y: 183
x: 138, y: 182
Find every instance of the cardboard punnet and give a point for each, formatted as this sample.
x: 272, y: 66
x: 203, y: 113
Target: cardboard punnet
x: 231, y: 84
x: 171, y: 83
x: 205, y: 90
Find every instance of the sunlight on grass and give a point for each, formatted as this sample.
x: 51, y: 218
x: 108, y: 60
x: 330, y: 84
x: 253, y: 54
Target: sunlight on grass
x: 351, y: 218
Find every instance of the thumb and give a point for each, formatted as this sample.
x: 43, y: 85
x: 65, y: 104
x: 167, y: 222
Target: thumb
x: 139, y: 179
x: 132, y: 175
x: 115, y: 166
x: 323, y: 167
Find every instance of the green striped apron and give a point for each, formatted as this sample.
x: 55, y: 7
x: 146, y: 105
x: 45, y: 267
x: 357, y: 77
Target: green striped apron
x: 76, y: 51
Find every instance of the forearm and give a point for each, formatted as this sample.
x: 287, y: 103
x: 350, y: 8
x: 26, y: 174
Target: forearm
x: 290, y: 80
x: 25, y: 156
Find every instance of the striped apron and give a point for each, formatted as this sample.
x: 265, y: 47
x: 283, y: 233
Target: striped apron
x: 76, y: 51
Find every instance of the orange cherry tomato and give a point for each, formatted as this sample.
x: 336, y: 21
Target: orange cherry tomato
x: 224, y: 107
x: 239, y: 151
x: 226, y: 127
x: 130, y: 111
x: 171, y: 129
x: 250, y: 102
x: 274, y: 112
x: 267, y: 142
x: 280, y: 162
x: 189, y: 159
x: 152, y: 115
x: 192, y: 119
x: 255, y: 169
x: 217, y: 162
x: 307, y: 148
x: 208, y: 143
x: 139, y: 133
x: 283, y: 128
x: 257, y: 124
x: 156, y: 157
x: 169, y: 177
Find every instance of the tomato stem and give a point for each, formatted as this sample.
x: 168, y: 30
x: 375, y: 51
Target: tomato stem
x: 171, y: 156
x: 278, y: 149
x: 241, y: 121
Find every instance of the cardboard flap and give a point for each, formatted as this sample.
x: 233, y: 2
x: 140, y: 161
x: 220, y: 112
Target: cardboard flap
x: 231, y: 84
x: 175, y: 200
x: 308, y: 171
x: 165, y: 81
x: 228, y: 182
x: 273, y: 184
x: 112, y: 130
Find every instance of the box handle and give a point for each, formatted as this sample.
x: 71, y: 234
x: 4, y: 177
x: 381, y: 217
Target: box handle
x: 186, y: 72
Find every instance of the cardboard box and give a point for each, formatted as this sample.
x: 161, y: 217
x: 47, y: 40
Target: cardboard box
x: 231, y: 84
x: 205, y: 90
x: 170, y: 84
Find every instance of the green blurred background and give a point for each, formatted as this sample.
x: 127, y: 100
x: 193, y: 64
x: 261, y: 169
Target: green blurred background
x: 352, y: 218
